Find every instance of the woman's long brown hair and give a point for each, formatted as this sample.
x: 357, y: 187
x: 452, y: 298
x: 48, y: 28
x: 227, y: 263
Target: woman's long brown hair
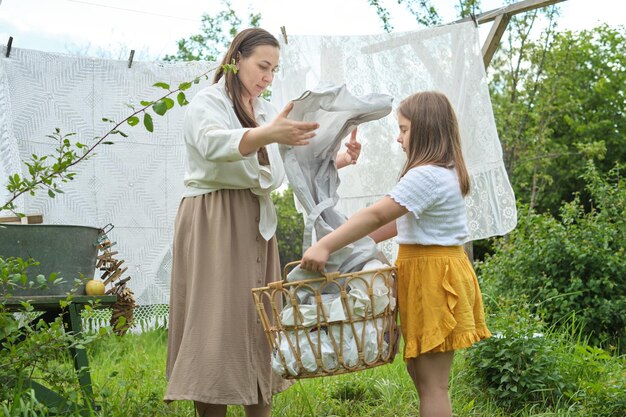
x: 242, y: 46
x: 434, y: 137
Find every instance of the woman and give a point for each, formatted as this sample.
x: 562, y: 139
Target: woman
x: 224, y: 241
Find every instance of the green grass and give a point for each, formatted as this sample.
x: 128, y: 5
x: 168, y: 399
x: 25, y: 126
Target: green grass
x: 128, y: 375
x: 129, y: 380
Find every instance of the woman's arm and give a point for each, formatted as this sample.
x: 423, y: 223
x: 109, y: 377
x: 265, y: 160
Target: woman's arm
x: 365, y: 221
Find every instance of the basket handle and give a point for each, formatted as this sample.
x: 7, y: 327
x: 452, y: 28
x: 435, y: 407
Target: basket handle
x: 330, y: 276
x: 288, y: 267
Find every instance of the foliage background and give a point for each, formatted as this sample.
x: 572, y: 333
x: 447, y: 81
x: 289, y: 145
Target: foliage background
x: 554, y: 288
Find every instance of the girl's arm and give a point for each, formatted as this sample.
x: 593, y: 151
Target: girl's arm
x: 385, y: 232
x: 365, y: 221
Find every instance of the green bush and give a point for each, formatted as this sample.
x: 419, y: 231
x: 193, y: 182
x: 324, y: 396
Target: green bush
x: 571, y: 266
x: 528, y: 367
x: 517, y: 367
x: 290, y: 227
x: 33, y: 349
x: 600, y: 378
x: 23, y: 404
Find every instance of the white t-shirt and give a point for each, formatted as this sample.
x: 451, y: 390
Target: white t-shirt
x: 213, y: 161
x: 437, y: 215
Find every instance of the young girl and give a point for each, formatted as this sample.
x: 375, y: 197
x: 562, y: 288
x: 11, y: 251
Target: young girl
x: 440, y: 303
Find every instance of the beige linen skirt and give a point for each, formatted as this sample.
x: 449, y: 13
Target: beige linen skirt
x: 217, y: 350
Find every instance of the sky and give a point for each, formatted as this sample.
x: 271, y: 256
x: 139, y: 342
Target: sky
x: 111, y: 28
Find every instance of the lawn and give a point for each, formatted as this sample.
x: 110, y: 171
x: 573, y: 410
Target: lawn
x: 129, y: 380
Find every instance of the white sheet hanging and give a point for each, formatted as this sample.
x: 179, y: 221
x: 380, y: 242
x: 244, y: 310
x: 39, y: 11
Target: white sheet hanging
x: 445, y: 58
x: 135, y: 184
x: 9, y: 152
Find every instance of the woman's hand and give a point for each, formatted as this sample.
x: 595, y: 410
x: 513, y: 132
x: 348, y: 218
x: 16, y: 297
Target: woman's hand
x: 350, y: 156
x: 315, y: 258
x: 290, y: 132
x: 280, y: 130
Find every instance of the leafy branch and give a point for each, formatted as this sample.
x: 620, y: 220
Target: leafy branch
x: 49, y: 171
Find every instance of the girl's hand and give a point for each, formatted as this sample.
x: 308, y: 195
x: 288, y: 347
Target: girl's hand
x: 290, y: 132
x: 315, y: 258
x: 352, y: 154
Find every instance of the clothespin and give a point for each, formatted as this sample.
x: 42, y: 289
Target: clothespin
x: 9, y: 43
x: 284, y: 32
x: 130, y: 58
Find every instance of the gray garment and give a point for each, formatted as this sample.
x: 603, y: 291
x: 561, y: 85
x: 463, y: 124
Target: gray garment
x: 312, y: 172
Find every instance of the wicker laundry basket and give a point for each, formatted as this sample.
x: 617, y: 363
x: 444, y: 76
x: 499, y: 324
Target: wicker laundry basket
x: 331, y: 325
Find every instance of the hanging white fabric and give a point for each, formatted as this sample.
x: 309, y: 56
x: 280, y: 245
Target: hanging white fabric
x: 445, y: 58
x: 135, y: 184
x: 10, y: 162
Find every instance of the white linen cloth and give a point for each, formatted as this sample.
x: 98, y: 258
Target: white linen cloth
x: 135, y: 184
x: 343, y: 338
x: 9, y: 152
x: 445, y: 58
x: 358, y: 304
x: 317, y: 344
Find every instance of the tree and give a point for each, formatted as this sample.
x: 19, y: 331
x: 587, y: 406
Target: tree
x: 514, y: 85
x: 423, y: 12
x: 559, y: 101
x: 582, y: 85
x: 215, y: 34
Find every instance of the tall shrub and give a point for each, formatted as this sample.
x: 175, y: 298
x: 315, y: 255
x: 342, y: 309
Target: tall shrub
x: 571, y: 265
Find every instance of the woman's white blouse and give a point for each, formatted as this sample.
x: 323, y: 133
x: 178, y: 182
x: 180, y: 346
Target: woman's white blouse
x: 213, y: 162
x: 437, y: 214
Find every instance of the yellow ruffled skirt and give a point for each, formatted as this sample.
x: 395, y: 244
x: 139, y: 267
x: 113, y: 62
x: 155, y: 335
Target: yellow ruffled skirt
x: 440, y: 303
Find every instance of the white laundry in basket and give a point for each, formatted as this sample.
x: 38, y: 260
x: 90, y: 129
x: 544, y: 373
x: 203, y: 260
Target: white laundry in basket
x: 308, y: 351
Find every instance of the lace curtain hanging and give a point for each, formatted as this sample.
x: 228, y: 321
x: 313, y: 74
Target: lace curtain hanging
x: 445, y: 58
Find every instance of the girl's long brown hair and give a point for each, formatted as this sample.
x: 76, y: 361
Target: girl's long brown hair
x: 242, y: 46
x: 434, y: 137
